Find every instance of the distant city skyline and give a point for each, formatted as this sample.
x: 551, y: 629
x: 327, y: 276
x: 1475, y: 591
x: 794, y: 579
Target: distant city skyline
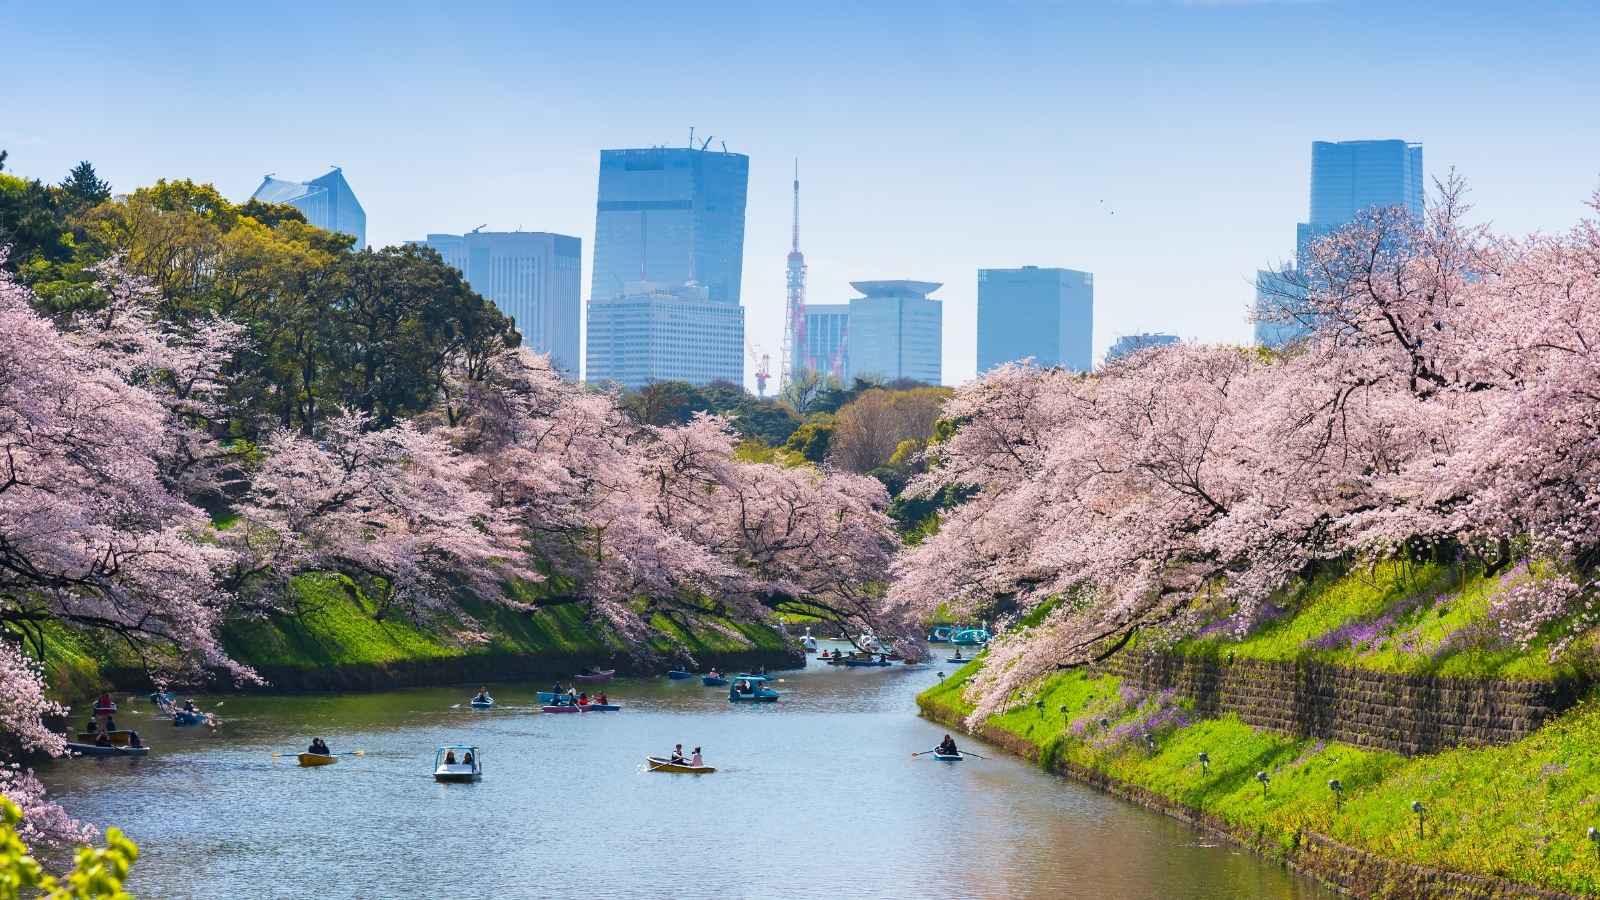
x: 1173, y: 165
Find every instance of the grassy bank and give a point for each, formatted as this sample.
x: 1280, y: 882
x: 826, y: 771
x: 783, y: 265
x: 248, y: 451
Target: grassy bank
x: 336, y: 629
x: 1519, y: 812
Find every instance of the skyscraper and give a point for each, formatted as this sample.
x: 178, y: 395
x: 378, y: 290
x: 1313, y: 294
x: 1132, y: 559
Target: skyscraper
x: 670, y: 215
x: 1133, y: 343
x: 896, y: 331
x: 1046, y: 314
x: 658, y: 332
x: 327, y: 202
x: 827, y: 340
x: 532, y: 276
x: 1347, y: 179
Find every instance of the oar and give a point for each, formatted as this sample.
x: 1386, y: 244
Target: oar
x: 924, y: 753
x: 276, y: 754
x: 970, y: 753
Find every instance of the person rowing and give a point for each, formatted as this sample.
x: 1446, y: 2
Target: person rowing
x: 947, y: 747
x: 677, y: 755
x: 319, y: 747
x: 483, y: 694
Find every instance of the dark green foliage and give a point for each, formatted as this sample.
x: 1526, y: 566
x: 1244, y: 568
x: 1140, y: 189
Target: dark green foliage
x: 812, y: 439
x: 676, y: 402
x: 83, y: 187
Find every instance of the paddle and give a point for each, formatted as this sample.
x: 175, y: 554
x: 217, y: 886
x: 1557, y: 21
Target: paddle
x: 923, y: 753
x: 276, y: 754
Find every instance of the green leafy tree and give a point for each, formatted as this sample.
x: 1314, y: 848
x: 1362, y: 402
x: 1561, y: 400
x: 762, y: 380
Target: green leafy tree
x: 813, y: 439
x: 96, y: 873
x: 84, y: 187
x: 665, y: 403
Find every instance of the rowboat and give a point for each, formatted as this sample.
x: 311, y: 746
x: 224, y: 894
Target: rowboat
x: 808, y: 643
x: 163, y: 698
x: 119, y: 738
x: 857, y: 663
x: 679, y: 675
x: 657, y: 764
x: 485, y: 703
x: 960, y: 660
x: 948, y: 757
x: 552, y: 697
x: 599, y: 707
x: 97, y: 750
x: 751, y: 688
x: 464, y: 764
x: 308, y: 760
x: 564, y: 708
x: 971, y: 637
x: 596, y: 676
x: 940, y: 634
x: 713, y: 681
x: 188, y: 717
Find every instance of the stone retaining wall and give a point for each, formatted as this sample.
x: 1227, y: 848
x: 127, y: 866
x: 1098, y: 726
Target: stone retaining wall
x: 1409, y: 714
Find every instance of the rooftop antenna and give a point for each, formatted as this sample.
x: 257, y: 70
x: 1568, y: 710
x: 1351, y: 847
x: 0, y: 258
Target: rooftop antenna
x: 705, y: 145
x: 479, y: 228
x: 691, y: 136
x: 724, y: 146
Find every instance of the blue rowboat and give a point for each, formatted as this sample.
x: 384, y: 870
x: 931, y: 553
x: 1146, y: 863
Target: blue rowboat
x: 713, y: 681
x: 755, y: 691
x: 940, y: 634
x: 948, y: 757
x: 971, y: 637
x: 679, y: 675
x: 186, y: 717
x: 600, y: 707
x: 485, y: 703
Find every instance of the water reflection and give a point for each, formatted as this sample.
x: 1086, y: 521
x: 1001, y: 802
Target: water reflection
x: 815, y: 796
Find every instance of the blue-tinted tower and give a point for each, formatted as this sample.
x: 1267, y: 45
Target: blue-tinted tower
x: 1046, y: 314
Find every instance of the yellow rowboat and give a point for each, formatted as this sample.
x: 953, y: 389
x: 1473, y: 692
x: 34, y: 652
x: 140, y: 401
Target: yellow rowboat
x: 657, y: 764
x: 317, y: 759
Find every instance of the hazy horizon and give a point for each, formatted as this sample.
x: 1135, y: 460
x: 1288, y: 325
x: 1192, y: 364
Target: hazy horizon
x: 1163, y: 146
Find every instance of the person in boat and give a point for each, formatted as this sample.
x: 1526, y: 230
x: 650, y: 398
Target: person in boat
x: 696, y: 760
x: 111, y: 724
x: 188, y: 705
x: 555, y: 689
x: 583, y: 699
x: 102, y: 740
x: 677, y: 754
x: 483, y: 695
x: 104, y: 702
x: 133, y: 740
x: 713, y: 673
x: 319, y: 747
x: 466, y: 758
x: 449, y: 757
x: 603, y: 701
x: 947, y: 747
x: 93, y: 724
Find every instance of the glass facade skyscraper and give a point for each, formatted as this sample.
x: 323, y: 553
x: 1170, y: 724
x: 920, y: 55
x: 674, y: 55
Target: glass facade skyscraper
x: 327, y: 202
x: 1133, y: 343
x: 895, y: 331
x: 1347, y: 179
x: 1046, y: 314
x: 657, y: 332
x: 670, y: 215
x: 532, y: 276
x: 827, y: 339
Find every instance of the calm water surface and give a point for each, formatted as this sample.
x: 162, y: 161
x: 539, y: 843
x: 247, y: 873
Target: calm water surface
x: 815, y: 796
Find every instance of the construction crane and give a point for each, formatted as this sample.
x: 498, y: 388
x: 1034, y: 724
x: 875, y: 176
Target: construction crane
x: 794, y: 309
x: 763, y: 366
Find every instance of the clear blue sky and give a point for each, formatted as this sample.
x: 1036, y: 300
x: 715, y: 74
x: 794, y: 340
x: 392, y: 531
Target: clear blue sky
x: 935, y: 138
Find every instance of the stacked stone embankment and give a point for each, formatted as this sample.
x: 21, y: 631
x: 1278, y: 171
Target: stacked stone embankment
x: 1407, y: 714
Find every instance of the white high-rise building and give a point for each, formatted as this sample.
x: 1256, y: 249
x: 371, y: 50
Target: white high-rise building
x: 896, y: 331
x: 658, y: 332
x: 532, y: 276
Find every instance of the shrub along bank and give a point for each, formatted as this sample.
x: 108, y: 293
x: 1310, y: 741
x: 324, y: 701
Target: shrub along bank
x: 1507, y: 820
